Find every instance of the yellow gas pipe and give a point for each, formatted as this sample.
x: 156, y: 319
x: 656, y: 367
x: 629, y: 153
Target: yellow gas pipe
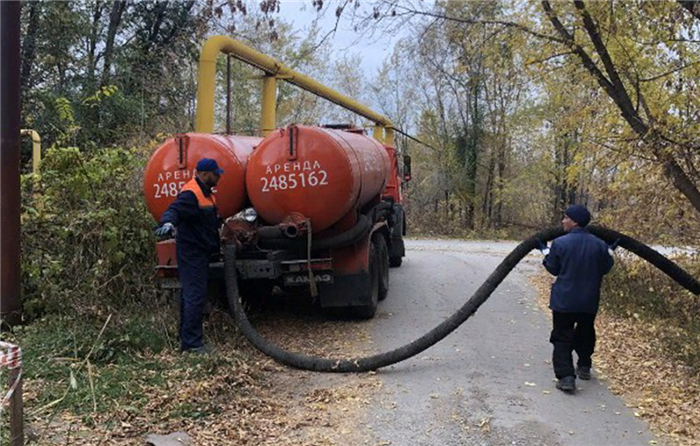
x: 36, y: 148
x: 206, y: 82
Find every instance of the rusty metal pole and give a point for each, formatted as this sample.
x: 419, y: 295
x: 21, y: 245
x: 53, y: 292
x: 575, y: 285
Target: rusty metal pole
x: 10, y: 303
x: 16, y: 409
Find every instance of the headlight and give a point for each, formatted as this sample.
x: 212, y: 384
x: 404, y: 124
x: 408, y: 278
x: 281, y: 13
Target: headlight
x: 250, y: 215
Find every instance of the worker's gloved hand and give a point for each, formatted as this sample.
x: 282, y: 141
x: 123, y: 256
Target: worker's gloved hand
x: 613, y: 246
x: 544, y: 249
x: 164, y: 230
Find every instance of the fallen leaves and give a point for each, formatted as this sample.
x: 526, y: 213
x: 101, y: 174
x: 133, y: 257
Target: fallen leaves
x: 237, y: 395
x: 485, y: 424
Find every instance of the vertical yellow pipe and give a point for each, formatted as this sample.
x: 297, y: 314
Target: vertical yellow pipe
x: 378, y: 133
x: 206, y: 84
x: 269, y: 103
x: 389, y: 136
x: 36, y: 148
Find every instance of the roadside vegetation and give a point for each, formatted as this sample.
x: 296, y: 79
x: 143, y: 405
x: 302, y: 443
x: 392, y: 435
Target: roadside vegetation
x: 100, y: 343
x: 650, y: 345
x: 636, y: 290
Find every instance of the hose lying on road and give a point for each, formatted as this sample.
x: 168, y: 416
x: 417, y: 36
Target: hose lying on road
x: 374, y: 362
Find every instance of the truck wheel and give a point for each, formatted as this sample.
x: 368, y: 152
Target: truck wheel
x: 395, y: 262
x: 254, y: 295
x: 368, y: 311
x: 383, y: 265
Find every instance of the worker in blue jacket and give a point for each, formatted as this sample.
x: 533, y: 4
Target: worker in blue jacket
x: 195, y: 216
x: 579, y: 260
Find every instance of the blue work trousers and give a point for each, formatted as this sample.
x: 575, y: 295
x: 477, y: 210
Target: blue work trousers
x: 193, y: 267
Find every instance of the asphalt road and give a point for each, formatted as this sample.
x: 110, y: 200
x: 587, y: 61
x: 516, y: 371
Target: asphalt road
x: 490, y: 382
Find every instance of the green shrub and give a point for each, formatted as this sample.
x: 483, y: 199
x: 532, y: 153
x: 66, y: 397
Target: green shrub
x: 86, y: 234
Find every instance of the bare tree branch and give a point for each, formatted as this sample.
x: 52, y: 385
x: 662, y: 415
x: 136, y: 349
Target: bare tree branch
x: 588, y: 63
x: 668, y: 73
x: 553, y: 56
x: 507, y: 24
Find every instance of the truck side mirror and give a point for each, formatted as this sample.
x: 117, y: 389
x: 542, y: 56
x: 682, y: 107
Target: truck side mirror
x: 406, y: 168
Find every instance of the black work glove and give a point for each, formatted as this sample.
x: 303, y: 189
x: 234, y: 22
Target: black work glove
x: 544, y: 249
x: 164, y: 230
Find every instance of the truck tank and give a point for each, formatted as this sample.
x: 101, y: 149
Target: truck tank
x: 324, y: 174
x: 174, y: 163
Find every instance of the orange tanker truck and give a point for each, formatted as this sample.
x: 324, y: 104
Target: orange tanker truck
x: 308, y: 208
x: 325, y: 211
x: 326, y: 214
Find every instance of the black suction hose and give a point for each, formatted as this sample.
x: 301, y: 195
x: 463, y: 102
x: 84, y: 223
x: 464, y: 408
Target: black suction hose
x: 269, y: 239
x: 650, y: 255
x: 374, y: 362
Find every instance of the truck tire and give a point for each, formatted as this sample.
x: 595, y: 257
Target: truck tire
x: 368, y: 311
x: 398, y: 249
x: 254, y: 295
x: 383, y: 265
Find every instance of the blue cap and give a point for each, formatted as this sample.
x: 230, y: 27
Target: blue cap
x: 579, y: 214
x: 208, y: 165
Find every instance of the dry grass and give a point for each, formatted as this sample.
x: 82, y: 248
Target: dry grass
x: 234, y: 397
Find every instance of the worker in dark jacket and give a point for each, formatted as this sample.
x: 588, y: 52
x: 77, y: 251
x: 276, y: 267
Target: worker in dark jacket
x: 579, y: 260
x: 195, y: 216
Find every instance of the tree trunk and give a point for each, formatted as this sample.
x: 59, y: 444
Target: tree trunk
x: 692, y: 6
x: 680, y: 180
x: 487, y: 204
x: 29, y: 46
x: 502, y: 155
x: 115, y: 18
x: 92, y: 46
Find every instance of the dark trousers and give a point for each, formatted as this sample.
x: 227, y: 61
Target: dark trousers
x: 572, y: 332
x: 193, y: 267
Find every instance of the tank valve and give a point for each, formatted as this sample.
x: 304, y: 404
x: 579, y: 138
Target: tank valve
x: 294, y: 225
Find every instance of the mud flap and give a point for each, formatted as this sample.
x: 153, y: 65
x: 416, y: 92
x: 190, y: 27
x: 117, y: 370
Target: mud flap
x: 352, y: 290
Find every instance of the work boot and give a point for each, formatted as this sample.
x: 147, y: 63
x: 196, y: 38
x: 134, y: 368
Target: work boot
x: 567, y: 384
x: 583, y: 372
x: 204, y: 350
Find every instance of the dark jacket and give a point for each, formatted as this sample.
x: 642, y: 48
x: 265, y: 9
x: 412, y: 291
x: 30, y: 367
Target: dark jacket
x: 197, y: 222
x: 579, y: 260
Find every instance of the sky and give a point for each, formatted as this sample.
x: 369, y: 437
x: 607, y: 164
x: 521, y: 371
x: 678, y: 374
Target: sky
x: 373, y: 49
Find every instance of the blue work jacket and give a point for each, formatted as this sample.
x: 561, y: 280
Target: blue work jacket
x: 195, y: 216
x: 579, y: 260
